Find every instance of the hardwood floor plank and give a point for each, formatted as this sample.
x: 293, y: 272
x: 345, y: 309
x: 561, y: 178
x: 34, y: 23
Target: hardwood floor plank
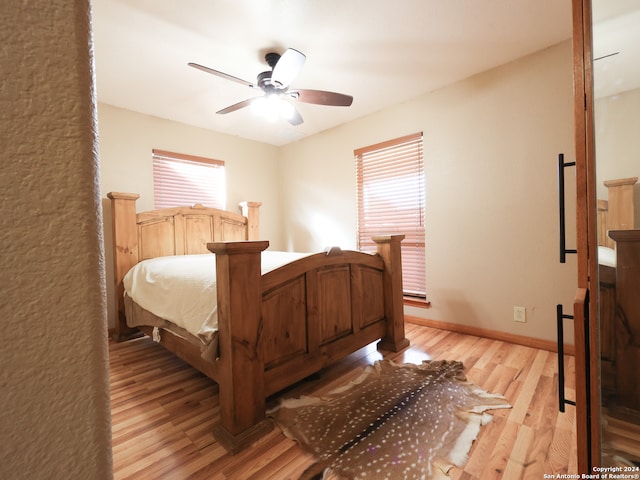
x: 499, y: 378
x: 490, y: 354
x: 559, y: 451
x: 186, y: 466
x: 518, y: 459
x: 163, y: 412
x: 138, y: 461
x: 490, y: 454
x: 129, y: 450
x: 288, y: 462
x: 141, y: 424
x: 521, y: 405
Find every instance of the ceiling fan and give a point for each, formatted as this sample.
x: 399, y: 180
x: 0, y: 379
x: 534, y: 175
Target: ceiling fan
x: 275, y: 83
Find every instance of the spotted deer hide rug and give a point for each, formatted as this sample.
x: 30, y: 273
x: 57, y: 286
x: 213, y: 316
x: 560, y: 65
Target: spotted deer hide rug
x: 395, y: 421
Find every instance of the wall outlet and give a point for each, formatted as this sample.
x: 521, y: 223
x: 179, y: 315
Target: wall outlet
x: 519, y: 314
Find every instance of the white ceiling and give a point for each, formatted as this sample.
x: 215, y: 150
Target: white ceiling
x: 616, y: 46
x: 382, y: 52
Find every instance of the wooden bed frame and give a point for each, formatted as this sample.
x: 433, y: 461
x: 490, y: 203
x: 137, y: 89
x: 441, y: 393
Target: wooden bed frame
x: 618, y: 306
x: 617, y: 212
x: 274, y: 329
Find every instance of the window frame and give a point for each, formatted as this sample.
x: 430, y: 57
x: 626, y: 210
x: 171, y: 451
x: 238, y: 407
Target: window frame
x: 394, y: 159
x: 171, y: 189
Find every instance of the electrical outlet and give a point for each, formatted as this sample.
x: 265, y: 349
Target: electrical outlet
x: 519, y: 314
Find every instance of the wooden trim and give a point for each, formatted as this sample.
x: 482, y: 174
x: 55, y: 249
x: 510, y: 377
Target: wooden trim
x: 386, y: 144
x: 548, y: 345
x: 620, y: 182
x: 416, y: 302
x: 632, y: 236
x: 580, y: 123
x: 182, y: 156
x: 586, y: 333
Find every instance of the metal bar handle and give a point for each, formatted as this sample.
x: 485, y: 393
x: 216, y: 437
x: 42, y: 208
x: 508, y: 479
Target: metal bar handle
x: 563, y: 242
x: 559, y: 318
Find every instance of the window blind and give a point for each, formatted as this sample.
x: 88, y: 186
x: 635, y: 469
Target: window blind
x: 390, y: 189
x: 180, y: 179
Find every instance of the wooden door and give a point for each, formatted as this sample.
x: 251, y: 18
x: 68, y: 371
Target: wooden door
x: 585, y: 313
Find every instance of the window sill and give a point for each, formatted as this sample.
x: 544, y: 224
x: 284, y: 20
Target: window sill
x: 417, y: 302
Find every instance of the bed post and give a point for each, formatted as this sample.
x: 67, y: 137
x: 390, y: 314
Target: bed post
x: 241, y: 370
x: 251, y: 210
x: 620, y: 199
x: 125, y: 252
x: 389, y: 249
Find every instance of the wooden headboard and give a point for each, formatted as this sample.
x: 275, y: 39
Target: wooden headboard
x: 170, y: 231
x: 617, y: 212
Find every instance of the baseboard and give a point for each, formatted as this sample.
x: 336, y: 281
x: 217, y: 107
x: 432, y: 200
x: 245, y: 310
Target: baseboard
x: 492, y: 334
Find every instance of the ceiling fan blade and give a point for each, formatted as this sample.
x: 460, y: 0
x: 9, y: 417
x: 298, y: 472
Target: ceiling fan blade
x: 606, y: 56
x: 237, y: 106
x: 221, y: 74
x: 320, y: 97
x: 287, y: 68
x: 294, y: 117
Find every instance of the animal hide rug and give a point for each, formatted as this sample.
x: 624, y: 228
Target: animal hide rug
x: 395, y: 421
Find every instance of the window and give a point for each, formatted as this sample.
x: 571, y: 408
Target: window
x: 185, y: 180
x: 390, y: 177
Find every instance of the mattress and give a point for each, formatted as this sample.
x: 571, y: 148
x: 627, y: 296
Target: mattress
x: 606, y: 256
x: 181, y: 289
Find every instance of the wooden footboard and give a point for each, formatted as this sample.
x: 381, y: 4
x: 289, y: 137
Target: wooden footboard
x: 278, y: 329
x: 627, y: 319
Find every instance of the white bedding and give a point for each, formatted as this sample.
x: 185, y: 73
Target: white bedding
x: 182, y: 288
x: 606, y: 256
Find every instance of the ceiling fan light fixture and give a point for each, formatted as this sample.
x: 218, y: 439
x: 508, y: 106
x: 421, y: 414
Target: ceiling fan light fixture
x: 268, y: 107
x: 287, y: 111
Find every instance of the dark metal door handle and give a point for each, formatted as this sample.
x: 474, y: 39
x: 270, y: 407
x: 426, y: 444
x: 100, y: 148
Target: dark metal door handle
x: 563, y: 241
x: 559, y: 318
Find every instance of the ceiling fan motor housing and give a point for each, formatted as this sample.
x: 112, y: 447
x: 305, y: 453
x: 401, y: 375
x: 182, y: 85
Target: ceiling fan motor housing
x: 272, y: 58
x: 264, y: 81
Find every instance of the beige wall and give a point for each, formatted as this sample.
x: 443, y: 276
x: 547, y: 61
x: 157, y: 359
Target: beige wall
x: 618, y: 141
x: 54, y: 396
x: 126, y: 141
x: 491, y: 144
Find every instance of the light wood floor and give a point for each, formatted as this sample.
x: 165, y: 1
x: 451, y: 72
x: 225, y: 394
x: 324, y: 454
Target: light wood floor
x: 163, y: 412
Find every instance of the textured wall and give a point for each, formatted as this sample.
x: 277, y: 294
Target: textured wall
x: 54, y: 414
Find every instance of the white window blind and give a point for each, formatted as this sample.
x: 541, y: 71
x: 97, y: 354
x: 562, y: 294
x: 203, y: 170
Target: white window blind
x: 390, y: 185
x: 180, y: 180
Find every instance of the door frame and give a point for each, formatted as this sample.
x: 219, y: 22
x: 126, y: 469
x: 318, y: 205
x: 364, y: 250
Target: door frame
x: 586, y: 330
